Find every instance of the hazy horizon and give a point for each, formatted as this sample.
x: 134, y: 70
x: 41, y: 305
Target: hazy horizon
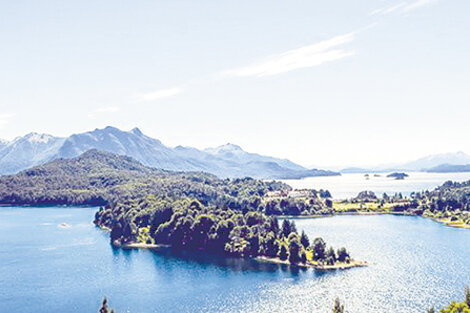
x: 322, y: 84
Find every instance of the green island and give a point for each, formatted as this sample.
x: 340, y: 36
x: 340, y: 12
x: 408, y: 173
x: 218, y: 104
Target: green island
x: 144, y: 207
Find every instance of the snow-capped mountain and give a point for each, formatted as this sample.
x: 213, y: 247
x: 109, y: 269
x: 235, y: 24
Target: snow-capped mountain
x: 224, y: 161
x: 3, y: 143
x: 30, y: 150
x: 147, y: 150
x: 237, y: 154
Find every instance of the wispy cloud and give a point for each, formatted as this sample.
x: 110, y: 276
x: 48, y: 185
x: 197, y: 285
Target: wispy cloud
x: 304, y: 57
x: 417, y: 4
x: 388, y: 10
x: 160, y: 94
x: 403, y: 7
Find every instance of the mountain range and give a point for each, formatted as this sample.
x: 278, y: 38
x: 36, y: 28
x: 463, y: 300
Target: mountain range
x: 444, y: 162
x: 449, y: 168
x: 224, y: 161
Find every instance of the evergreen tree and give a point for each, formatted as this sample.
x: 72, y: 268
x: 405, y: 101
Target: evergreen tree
x: 330, y: 256
x: 467, y: 296
x: 295, y: 248
x: 338, y: 308
x: 319, y: 249
x: 286, y: 228
x: 104, y: 307
x: 271, y: 245
x: 116, y: 232
x: 293, y: 228
x: 304, y: 240
x: 283, y: 252
x: 343, y: 255
x: 331, y: 253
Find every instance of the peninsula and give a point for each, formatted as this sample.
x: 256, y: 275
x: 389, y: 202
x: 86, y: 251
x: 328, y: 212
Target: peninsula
x: 144, y: 207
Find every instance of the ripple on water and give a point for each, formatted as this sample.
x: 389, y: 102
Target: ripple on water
x: 416, y: 263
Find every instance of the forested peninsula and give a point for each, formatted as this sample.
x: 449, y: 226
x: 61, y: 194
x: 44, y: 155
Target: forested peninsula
x: 448, y: 204
x: 197, y: 212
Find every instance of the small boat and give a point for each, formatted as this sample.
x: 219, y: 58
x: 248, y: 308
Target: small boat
x: 64, y: 225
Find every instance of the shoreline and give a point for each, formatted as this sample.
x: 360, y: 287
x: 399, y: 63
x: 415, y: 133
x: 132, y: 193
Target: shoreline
x: 444, y: 222
x: 263, y: 259
x: 344, y: 213
x: 448, y: 223
x: 323, y: 267
x: 141, y: 245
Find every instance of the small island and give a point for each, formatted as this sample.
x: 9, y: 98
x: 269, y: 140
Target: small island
x: 398, y: 176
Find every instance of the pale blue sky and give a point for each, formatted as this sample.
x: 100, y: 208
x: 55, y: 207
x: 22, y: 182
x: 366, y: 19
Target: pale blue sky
x: 319, y: 82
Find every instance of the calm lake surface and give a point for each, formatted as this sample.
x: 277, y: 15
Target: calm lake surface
x: 349, y: 185
x: 45, y: 268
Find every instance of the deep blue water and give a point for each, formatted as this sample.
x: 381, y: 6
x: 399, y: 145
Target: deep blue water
x: 45, y: 268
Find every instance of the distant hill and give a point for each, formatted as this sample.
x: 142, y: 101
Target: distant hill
x: 449, y: 168
x: 455, y: 162
x: 224, y: 161
x: 98, y: 178
x: 431, y: 161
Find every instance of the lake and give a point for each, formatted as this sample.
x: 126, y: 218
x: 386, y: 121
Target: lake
x: 48, y: 268
x: 349, y: 185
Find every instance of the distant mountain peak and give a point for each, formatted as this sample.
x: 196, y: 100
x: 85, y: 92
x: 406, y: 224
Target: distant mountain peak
x: 228, y: 147
x: 137, y: 131
x: 231, y: 146
x: 114, y: 130
x: 109, y: 129
x: 37, y: 138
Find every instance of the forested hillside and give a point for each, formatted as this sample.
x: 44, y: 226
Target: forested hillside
x: 451, y: 196
x: 98, y: 178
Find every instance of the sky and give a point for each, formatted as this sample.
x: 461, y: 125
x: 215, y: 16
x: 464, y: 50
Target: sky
x: 323, y: 83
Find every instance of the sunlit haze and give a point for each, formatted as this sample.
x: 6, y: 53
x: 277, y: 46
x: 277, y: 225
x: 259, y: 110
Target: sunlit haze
x: 323, y: 83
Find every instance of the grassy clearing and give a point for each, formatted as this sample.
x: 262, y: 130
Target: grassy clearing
x: 364, y: 206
